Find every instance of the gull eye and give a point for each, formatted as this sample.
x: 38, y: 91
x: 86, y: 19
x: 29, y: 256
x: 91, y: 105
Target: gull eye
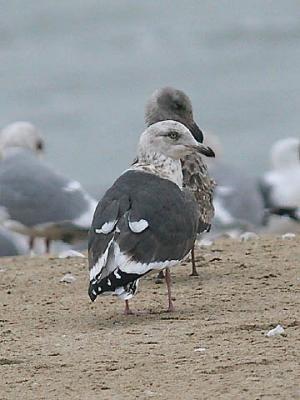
x: 40, y: 145
x: 173, y: 135
x: 177, y: 105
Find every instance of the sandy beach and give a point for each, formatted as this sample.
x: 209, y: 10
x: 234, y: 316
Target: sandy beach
x: 56, y: 344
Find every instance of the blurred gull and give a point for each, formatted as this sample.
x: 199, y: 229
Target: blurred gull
x: 281, y: 187
x: 34, y: 199
x: 238, y: 203
x: 11, y: 244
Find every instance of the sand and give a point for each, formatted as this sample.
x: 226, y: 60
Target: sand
x: 56, y: 344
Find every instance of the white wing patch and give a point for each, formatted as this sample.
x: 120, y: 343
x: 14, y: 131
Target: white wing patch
x: 118, y: 276
x: 126, y: 264
x: 122, y: 294
x: 107, y: 227
x: 97, y: 268
x: 138, y: 226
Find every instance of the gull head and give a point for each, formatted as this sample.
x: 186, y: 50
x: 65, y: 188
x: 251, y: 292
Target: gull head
x: 21, y: 134
x: 285, y: 153
x: 169, y: 103
x: 172, y: 140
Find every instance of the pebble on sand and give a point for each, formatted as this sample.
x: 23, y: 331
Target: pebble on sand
x: 276, y: 331
x: 288, y: 236
x: 68, y: 278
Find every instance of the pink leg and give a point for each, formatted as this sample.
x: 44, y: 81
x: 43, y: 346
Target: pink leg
x: 127, y: 310
x: 168, y: 283
x: 31, y: 246
x: 194, y: 269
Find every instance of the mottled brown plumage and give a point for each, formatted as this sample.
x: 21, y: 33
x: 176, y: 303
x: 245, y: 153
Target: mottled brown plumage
x: 198, y: 181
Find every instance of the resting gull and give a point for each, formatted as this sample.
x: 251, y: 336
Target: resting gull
x: 238, y: 203
x: 34, y: 199
x: 168, y: 103
x: 11, y: 244
x: 281, y: 187
x: 145, y: 221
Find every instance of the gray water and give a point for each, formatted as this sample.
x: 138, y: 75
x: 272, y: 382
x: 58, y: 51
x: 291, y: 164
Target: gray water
x: 82, y: 70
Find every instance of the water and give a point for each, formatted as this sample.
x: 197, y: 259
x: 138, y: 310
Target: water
x: 82, y: 70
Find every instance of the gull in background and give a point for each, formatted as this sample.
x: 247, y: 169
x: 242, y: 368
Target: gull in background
x: 238, y: 203
x: 35, y: 200
x: 281, y: 187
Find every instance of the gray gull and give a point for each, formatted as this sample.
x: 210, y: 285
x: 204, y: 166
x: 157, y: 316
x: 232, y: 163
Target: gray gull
x: 238, y: 203
x: 172, y: 104
x: 35, y: 200
x: 145, y: 221
x: 281, y: 187
x: 11, y: 244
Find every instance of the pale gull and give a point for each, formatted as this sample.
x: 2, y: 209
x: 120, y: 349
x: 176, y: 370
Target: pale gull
x: 281, y: 187
x: 35, y: 200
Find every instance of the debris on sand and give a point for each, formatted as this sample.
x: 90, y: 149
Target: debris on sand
x: 70, y: 254
x: 68, y: 278
x: 205, y: 242
x: 200, y: 350
x: 149, y: 393
x: 276, y: 331
x: 248, y: 236
x: 288, y: 235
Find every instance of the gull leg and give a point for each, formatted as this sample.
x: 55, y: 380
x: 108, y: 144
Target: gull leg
x: 168, y: 283
x: 194, y: 268
x: 47, y: 243
x: 31, y: 246
x: 160, y: 276
x: 127, y: 310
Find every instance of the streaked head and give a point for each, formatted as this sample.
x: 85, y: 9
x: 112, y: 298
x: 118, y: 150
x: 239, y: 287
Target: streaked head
x: 21, y: 134
x: 285, y: 153
x: 168, y: 103
x: 171, y: 139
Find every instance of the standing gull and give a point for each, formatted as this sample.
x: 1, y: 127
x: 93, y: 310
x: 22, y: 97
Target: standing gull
x: 34, y: 199
x: 281, y: 187
x: 169, y: 103
x: 145, y: 221
x: 11, y: 244
x: 237, y: 200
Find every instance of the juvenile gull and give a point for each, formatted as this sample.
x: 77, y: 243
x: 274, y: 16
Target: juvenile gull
x: 168, y: 103
x: 281, y: 187
x: 34, y: 199
x: 145, y: 221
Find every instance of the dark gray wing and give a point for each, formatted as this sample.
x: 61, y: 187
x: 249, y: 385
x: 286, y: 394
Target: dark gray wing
x: 167, y: 233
